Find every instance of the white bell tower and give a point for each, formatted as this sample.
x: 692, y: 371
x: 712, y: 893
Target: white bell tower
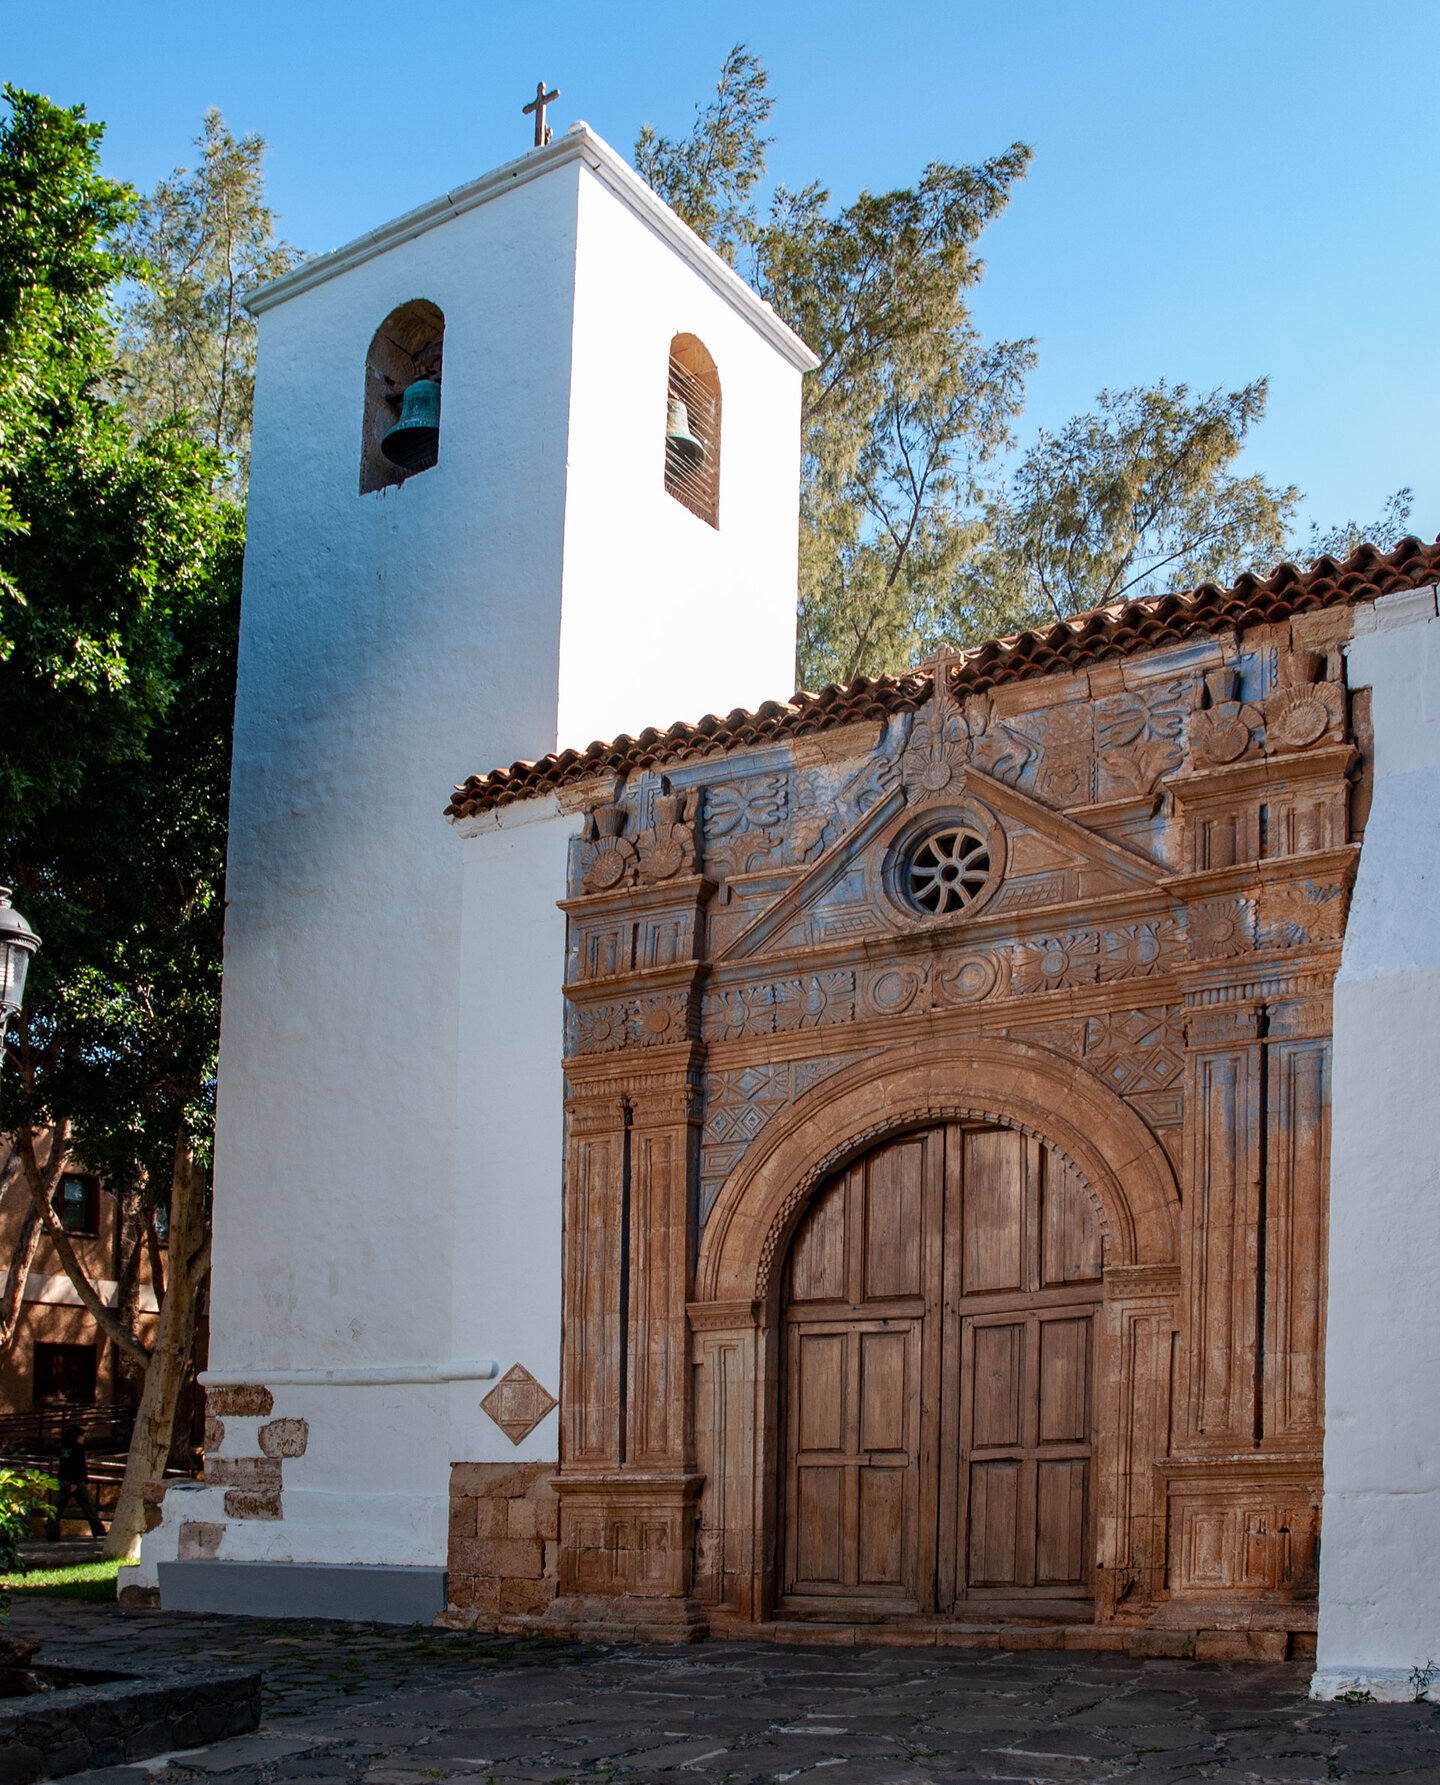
x: 573, y: 558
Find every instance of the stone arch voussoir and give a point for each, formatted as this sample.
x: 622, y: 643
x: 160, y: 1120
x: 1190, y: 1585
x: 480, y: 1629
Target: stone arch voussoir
x: 1008, y: 1082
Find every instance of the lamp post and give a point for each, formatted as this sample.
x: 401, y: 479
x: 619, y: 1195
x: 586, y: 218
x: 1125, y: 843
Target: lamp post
x: 17, y: 943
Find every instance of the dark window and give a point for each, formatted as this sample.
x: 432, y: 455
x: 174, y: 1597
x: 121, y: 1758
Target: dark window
x: 77, y: 1203
x: 65, y: 1373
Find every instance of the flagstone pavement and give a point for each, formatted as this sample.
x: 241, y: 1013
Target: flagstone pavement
x: 373, y: 1705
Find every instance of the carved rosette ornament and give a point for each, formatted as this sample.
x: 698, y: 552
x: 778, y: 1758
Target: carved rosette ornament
x: 1302, y: 711
x: 1228, y: 728
x: 670, y: 848
x: 1221, y: 928
x: 609, y: 856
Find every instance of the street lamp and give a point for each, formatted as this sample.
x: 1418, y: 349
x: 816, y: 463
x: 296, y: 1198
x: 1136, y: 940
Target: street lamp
x: 17, y: 943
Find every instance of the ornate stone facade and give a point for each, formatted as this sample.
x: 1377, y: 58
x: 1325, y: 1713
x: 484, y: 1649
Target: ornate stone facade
x: 1138, y: 978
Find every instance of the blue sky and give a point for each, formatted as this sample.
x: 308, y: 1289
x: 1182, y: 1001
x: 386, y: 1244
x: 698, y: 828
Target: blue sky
x: 1221, y: 189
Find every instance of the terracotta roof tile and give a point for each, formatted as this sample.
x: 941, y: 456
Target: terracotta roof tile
x: 1076, y: 643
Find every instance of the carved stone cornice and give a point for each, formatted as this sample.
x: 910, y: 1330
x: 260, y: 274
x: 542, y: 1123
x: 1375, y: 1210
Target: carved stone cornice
x: 740, y: 1317
x: 1336, y: 866
x: 690, y: 889
x: 1263, y: 774
x: 1136, y: 1282
x: 621, y: 1074
x: 675, y: 976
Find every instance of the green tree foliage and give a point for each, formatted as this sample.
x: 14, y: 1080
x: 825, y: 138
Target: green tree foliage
x: 909, y: 408
x: 57, y: 215
x: 922, y: 521
x: 708, y: 177
x: 201, y: 240
x: 115, y: 705
x: 1386, y: 533
x: 1133, y: 499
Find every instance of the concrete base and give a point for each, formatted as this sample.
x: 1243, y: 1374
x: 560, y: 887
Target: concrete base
x: 1383, y: 1685
x: 304, y: 1590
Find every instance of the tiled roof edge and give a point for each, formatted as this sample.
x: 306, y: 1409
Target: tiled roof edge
x: 1073, y: 644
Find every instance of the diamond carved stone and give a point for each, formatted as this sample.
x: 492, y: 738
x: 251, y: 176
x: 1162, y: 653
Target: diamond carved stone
x: 518, y: 1403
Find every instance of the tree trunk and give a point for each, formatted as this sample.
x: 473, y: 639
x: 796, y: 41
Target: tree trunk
x: 12, y: 1296
x: 128, y: 1377
x: 165, y: 1376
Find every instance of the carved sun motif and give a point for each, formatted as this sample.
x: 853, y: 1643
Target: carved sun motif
x: 518, y: 1403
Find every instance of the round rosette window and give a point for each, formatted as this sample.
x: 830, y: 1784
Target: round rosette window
x: 945, y: 864
x: 948, y: 870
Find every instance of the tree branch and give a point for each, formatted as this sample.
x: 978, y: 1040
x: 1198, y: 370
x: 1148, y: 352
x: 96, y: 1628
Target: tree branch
x: 41, y: 1196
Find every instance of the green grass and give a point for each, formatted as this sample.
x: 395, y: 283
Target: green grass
x: 94, y: 1581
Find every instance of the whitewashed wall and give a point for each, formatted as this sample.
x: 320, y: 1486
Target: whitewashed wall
x: 509, y: 1136
x: 1380, y: 1558
x: 389, y: 1130
x: 666, y: 617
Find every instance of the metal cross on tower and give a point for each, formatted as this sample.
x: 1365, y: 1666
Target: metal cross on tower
x: 537, y: 105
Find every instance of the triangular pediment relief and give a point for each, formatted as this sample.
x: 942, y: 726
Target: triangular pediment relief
x: 1049, y: 860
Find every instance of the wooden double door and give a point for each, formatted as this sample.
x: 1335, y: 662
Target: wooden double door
x: 938, y: 1359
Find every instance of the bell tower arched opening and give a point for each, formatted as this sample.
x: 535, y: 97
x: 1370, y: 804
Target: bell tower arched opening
x: 400, y: 432
x: 692, y: 429
x: 937, y: 1358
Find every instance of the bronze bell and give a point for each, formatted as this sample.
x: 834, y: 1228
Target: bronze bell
x: 414, y: 442
x: 678, y: 438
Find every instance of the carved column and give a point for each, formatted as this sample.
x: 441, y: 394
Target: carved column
x: 1137, y: 1338
x: 628, y: 1485
x: 736, y: 1355
x: 1221, y: 1229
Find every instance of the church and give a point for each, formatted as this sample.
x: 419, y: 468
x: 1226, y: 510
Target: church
x: 940, y: 1160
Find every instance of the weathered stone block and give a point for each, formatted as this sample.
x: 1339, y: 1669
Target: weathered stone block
x: 1241, y: 1645
x: 284, y: 1437
x: 199, y: 1540
x: 525, y: 1597
x: 214, y: 1432
x: 491, y: 1518
x: 242, y: 1503
x: 462, y: 1519
x: 243, y: 1400
x: 521, y: 1520
x: 257, y: 1474
x: 1151, y: 1645
x: 509, y: 1557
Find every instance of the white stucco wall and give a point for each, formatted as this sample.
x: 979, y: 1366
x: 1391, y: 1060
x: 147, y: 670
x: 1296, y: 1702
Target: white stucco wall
x: 510, y: 1130
x: 390, y: 1103
x: 666, y: 617
x: 1380, y: 1560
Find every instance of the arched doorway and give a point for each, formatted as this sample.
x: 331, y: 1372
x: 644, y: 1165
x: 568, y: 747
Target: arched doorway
x: 938, y: 1355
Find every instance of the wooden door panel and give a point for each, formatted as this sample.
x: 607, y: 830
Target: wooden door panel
x: 819, y: 1527
x: 995, y: 1512
x: 887, y: 1369
x: 1060, y: 1519
x: 998, y: 1366
x: 1064, y: 1416
x: 817, y: 1267
x: 993, y: 1212
x: 820, y: 1391
x: 940, y: 1296
x: 884, y: 1496
x: 1070, y: 1231
x: 894, y: 1227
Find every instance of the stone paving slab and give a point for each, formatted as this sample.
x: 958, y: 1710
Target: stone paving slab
x: 369, y: 1705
